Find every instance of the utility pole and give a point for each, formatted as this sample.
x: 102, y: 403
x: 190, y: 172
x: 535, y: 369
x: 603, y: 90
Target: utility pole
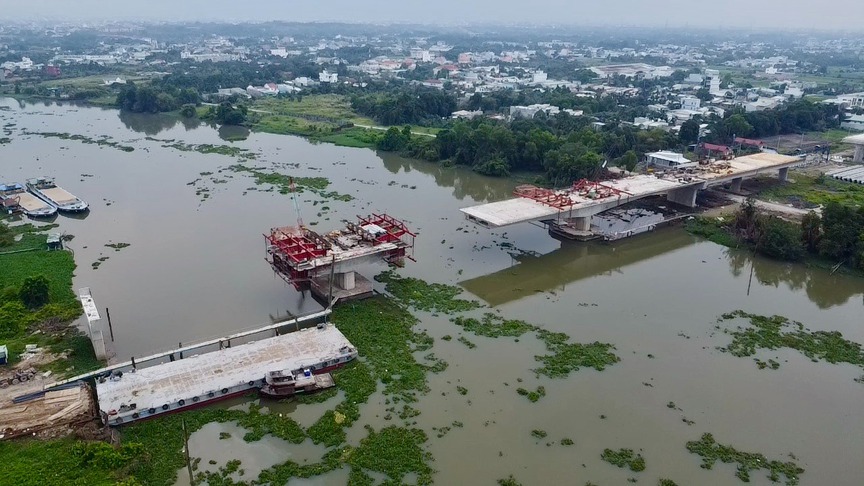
x: 186, y: 451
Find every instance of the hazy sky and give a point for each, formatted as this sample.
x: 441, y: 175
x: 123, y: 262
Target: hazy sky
x: 755, y: 14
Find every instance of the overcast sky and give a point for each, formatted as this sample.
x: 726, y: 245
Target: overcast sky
x: 755, y: 14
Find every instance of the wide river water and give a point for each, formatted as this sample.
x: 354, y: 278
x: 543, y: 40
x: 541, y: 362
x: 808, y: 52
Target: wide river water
x: 195, y: 269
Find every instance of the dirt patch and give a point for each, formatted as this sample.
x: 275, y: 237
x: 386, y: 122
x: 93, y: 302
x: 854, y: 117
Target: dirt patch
x: 42, y: 414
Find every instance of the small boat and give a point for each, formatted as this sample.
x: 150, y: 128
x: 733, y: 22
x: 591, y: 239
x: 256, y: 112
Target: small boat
x: 45, y: 189
x: 284, y: 384
x: 16, y: 198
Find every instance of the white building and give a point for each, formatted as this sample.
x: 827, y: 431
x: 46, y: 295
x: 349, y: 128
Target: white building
x: 327, y: 77
x: 852, y: 100
x: 466, y: 114
x: 669, y: 160
x: 690, y: 103
x: 531, y: 110
x: 539, y: 77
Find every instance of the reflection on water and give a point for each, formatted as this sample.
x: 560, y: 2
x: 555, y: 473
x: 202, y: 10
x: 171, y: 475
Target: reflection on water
x: 233, y: 133
x: 573, y: 261
x: 532, y: 274
x: 822, y: 288
x: 465, y: 183
x: 152, y: 124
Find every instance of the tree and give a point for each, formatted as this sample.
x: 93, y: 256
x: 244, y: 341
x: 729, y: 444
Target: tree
x: 704, y: 94
x: 811, y: 231
x: 780, y: 239
x: 628, y: 160
x: 689, y: 132
x: 842, y: 227
x: 188, y: 111
x: 12, y: 319
x: 394, y: 139
x: 34, y: 291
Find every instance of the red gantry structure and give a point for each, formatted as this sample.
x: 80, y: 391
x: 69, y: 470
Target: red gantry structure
x: 306, y: 259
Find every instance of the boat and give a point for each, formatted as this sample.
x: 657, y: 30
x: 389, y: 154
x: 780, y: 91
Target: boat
x: 15, y: 198
x: 284, y: 383
x: 45, y: 189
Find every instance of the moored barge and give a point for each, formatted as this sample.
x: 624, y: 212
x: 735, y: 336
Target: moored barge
x: 23, y: 201
x: 207, y: 378
x: 45, y: 189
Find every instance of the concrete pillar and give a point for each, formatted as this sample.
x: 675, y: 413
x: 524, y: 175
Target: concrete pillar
x: 345, y: 281
x: 582, y: 224
x: 783, y: 174
x: 859, y: 154
x: 686, y: 196
x: 735, y: 186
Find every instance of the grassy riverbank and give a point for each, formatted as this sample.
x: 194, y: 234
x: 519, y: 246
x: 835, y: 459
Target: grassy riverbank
x: 43, y: 321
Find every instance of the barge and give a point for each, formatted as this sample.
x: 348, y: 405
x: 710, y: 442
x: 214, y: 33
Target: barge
x: 16, y: 198
x: 199, y: 380
x: 45, y: 189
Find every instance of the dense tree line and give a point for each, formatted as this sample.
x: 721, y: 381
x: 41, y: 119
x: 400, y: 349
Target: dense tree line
x: 563, y: 148
x: 155, y: 99
x: 837, y: 235
x: 795, y: 117
x: 405, y: 105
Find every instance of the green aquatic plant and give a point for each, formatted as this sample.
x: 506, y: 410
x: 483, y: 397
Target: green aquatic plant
x: 493, y: 325
x: 776, y: 332
x: 711, y: 452
x: 425, y: 296
x: 624, y: 458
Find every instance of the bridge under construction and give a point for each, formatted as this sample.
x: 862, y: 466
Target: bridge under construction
x: 572, y: 208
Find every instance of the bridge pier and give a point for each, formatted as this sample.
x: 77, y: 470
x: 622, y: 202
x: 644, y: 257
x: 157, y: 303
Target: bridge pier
x: 345, y: 280
x: 735, y: 186
x: 686, y: 196
x: 859, y: 154
x: 582, y: 224
x: 783, y: 174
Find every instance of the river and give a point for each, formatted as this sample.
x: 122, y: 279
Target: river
x: 195, y: 269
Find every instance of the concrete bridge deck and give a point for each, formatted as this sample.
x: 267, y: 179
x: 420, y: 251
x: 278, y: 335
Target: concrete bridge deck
x: 680, y: 187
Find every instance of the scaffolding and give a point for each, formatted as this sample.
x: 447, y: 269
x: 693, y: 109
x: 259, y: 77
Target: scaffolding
x: 297, y: 254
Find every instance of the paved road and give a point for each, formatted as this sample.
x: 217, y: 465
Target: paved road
x: 773, y: 207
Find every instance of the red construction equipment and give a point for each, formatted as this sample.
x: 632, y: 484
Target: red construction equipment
x: 548, y: 197
x: 595, y: 190
x: 298, y: 253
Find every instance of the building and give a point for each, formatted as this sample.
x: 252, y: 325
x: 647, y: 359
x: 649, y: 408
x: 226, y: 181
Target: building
x: 690, y: 103
x: 668, y: 160
x: 327, y: 77
x: 4, y: 355
x: 853, y: 122
x: 466, y: 114
x: 531, y: 110
x: 852, y: 100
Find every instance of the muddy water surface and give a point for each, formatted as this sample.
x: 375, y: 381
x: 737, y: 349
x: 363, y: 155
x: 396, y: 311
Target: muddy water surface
x: 195, y: 270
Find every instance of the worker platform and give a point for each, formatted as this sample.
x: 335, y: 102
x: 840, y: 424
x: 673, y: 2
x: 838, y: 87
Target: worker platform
x: 577, y: 204
x: 328, y: 262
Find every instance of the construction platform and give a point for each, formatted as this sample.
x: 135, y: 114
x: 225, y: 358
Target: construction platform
x: 205, y: 378
x: 587, y: 198
x: 301, y: 256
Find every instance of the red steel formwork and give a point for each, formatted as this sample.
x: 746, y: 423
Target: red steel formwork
x: 293, y: 251
x: 595, y: 190
x: 545, y: 196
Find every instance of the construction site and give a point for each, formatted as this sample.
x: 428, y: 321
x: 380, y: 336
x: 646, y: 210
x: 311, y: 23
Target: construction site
x: 569, y: 212
x: 327, y: 264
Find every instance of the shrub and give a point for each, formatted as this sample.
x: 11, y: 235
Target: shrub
x: 34, y: 291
